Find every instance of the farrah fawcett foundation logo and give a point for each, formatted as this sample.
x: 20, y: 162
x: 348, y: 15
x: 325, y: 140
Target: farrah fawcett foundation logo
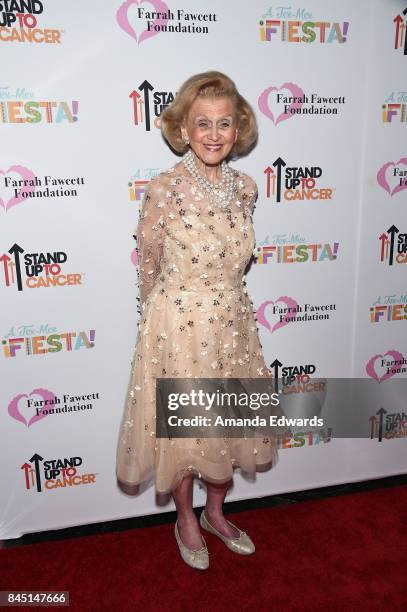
x: 289, y: 99
x: 19, y: 184
x: 275, y: 314
x: 141, y: 23
x: 392, y: 176
x: 29, y: 408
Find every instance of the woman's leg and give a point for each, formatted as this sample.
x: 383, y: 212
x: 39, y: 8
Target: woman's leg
x: 188, y: 524
x: 215, y: 496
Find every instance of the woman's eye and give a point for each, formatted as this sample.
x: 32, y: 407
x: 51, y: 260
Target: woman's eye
x: 225, y: 125
x: 202, y: 124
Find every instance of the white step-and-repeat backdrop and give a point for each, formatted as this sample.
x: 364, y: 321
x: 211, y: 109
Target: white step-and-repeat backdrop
x: 82, y: 85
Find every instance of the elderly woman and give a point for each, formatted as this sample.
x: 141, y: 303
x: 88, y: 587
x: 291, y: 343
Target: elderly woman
x: 195, y: 238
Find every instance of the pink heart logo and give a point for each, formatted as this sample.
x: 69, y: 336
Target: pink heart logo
x: 26, y: 175
x: 14, y: 410
x: 371, y: 366
x: 122, y: 17
x: 288, y: 317
x: 264, y: 102
x: 382, y: 180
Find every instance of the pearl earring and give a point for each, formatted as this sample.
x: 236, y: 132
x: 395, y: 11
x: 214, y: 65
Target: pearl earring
x: 186, y: 140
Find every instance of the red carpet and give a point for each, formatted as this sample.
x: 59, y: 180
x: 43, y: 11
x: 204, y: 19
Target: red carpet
x: 341, y: 553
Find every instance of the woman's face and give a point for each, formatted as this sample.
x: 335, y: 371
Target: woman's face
x: 211, y: 128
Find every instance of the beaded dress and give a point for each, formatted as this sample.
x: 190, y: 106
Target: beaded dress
x: 196, y: 320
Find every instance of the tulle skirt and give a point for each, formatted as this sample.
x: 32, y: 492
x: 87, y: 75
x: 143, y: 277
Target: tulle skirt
x: 198, y: 340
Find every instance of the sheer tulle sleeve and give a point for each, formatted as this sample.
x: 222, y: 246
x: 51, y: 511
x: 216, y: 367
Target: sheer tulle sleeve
x: 249, y: 193
x: 150, y: 237
x: 253, y: 199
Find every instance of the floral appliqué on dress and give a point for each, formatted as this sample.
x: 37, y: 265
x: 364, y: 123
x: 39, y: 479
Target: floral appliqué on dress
x: 196, y: 320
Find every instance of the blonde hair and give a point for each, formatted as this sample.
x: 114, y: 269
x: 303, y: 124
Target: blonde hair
x: 211, y: 84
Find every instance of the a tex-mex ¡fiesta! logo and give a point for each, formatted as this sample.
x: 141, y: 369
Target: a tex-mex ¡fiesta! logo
x: 400, y: 35
x: 29, y: 408
x: 305, y: 438
x: 34, y: 270
x: 29, y: 340
x: 392, y: 176
x: 41, y: 475
x: 275, y: 314
x: 394, y: 108
x: 382, y: 367
x: 19, y: 106
x: 19, y: 23
x: 19, y: 184
x: 138, y: 182
x: 285, y: 24
x: 148, y: 104
x: 393, y: 246
x: 142, y: 23
x: 293, y: 183
x: 389, y: 308
x: 288, y: 100
x: 284, y: 249
x: 393, y: 425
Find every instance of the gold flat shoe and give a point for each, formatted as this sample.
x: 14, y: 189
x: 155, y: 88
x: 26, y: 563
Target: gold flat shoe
x: 198, y: 559
x: 242, y: 545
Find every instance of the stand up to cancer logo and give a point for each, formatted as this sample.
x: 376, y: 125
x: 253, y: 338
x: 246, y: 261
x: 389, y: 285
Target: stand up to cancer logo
x: 19, y: 23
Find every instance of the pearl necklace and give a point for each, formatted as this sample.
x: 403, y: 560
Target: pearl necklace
x: 221, y: 193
